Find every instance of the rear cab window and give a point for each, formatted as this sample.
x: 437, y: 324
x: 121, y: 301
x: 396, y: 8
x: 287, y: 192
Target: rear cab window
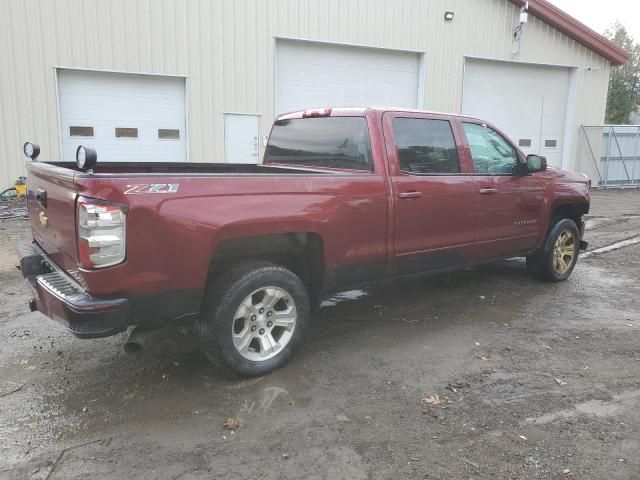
x: 425, y: 146
x: 326, y: 142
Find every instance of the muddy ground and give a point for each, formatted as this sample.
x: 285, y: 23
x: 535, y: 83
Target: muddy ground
x: 536, y: 381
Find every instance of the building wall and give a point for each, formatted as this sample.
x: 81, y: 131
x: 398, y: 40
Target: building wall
x: 225, y: 49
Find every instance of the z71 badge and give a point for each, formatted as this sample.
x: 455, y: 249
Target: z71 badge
x: 152, y: 188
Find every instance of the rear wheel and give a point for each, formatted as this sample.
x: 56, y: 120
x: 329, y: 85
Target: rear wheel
x: 253, y: 318
x: 557, y: 259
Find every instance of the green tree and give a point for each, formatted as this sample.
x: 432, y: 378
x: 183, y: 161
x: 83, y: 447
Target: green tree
x: 624, y: 83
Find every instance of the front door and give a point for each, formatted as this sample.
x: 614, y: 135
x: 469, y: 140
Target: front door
x: 241, y: 133
x: 509, y: 205
x: 433, y: 193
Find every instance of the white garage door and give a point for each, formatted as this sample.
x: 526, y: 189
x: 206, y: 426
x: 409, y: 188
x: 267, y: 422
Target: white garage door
x: 527, y: 102
x: 317, y: 75
x: 138, y: 118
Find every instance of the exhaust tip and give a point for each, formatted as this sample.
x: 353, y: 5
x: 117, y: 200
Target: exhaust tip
x: 132, y: 347
x: 136, y: 340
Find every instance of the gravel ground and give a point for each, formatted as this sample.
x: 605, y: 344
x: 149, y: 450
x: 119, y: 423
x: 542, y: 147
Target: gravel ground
x: 534, y: 381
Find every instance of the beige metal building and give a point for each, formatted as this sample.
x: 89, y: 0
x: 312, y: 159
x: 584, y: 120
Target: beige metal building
x: 201, y: 80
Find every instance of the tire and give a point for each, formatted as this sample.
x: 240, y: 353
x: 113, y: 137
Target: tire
x: 558, y: 257
x: 245, y: 324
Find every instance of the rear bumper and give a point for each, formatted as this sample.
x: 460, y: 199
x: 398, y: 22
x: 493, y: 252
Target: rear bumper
x: 60, y: 298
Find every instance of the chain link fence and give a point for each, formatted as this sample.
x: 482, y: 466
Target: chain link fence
x: 612, y: 153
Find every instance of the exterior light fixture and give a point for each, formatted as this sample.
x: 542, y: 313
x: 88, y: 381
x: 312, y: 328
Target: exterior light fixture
x: 86, y: 157
x: 31, y: 150
x: 448, y: 16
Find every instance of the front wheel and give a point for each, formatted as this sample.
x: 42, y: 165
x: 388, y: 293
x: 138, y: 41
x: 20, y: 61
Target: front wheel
x: 254, y: 316
x: 557, y: 259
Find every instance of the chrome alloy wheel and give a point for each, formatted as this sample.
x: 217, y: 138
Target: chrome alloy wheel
x: 264, y: 323
x: 564, y: 251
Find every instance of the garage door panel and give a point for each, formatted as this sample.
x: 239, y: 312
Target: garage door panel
x: 107, y: 101
x: 528, y: 102
x: 312, y: 75
x: 344, y: 75
x: 78, y: 106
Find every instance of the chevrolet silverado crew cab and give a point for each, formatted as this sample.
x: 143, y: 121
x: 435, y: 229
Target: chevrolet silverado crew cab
x: 343, y: 196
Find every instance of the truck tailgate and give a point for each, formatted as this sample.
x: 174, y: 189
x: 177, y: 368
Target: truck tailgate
x: 51, y: 203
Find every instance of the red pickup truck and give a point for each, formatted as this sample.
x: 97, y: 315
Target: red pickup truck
x: 344, y: 196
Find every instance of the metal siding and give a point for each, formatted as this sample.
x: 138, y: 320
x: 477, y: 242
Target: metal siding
x: 226, y: 49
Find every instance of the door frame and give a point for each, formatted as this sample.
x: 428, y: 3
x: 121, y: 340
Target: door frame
x: 258, y: 117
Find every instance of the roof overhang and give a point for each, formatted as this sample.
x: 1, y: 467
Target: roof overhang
x: 577, y: 30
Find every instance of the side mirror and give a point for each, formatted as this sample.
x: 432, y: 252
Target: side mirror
x: 536, y: 163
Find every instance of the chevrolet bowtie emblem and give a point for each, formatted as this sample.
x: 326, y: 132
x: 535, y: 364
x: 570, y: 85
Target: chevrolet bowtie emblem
x: 44, y: 221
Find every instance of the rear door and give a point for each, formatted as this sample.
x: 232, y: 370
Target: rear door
x: 433, y: 193
x: 509, y: 205
x: 51, y: 199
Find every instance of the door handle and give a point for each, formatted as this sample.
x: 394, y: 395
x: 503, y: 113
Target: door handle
x: 409, y: 195
x: 488, y: 191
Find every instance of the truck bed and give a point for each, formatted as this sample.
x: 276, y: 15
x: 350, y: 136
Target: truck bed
x: 182, y: 168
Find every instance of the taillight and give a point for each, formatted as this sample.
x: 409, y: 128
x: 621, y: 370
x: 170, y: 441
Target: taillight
x: 101, y: 233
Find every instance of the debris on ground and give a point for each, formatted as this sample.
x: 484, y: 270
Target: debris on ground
x: 522, y: 437
x: 560, y: 382
x: 13, y: 208
x: 17, y: 389
x: 432, y: 400
x: 68, y: 449
x: 566, y: 471
x: 456, y: 385
x: 530, y: 461
x: 470, y: 462
x: 231, y: 423
x: 341, y: 417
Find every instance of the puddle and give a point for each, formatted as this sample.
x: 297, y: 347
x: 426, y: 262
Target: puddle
x: 343, y: 296
x: 597, y: 408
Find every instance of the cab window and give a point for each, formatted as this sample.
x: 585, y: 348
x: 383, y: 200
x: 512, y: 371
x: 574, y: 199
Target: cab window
x: 426, y: 146
x: 490, y: 152
x: 332, y: 142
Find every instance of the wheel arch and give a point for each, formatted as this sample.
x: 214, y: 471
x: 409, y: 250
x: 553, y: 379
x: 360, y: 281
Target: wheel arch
x: 571, y: 210
x: 300, y: 252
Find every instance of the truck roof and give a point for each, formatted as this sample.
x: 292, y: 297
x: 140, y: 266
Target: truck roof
x: 357, y: 112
